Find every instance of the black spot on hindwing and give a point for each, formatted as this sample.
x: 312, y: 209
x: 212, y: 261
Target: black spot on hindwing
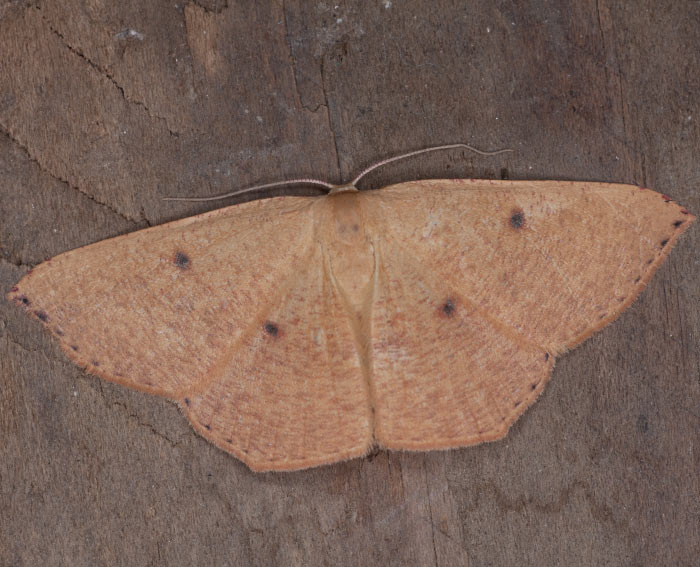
x: 271, y: 329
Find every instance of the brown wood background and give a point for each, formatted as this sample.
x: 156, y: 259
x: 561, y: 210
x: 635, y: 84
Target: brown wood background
x: 106, y: 107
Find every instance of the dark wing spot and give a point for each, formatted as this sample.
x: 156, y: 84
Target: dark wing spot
x: 229, y: 441
x: 448, y: 308
x: 271, y: 329
x: 517, y: 219
x: 664, y: 242
x: 42, y: 316
x: 59, y: 332
x: 181, y: 260
x: 516, y: 404
x: 533, y: 386
x: 546, y: 356
x: 636, y: 280
x: 678, y: 223
x: 74, y: 347
x: 23, y: 299
x: 187, y: 402
x: 207, y: 427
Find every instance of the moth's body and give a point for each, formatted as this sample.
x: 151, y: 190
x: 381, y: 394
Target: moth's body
x: 348, y: 244
x: 295, y: 332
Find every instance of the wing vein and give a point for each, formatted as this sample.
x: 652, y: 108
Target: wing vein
x: 216, y: 369
x: 506, y: 329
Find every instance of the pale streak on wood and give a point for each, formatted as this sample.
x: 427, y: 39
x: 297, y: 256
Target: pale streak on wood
x: 295, y: 332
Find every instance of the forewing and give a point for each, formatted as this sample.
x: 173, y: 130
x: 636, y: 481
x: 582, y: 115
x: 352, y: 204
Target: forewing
x: 156, y: 309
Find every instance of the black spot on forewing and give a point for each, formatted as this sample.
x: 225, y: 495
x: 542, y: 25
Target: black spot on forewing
x: 181, y: 260
x: 517, y: 219
x: 678, y: 223
x: 664, y: 242
x: 271, y: 329
x: 43, y: 317
x: 448, y: 308
x: 187, y: 402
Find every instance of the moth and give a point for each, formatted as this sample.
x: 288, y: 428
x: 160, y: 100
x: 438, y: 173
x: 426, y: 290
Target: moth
x: 299, y: 331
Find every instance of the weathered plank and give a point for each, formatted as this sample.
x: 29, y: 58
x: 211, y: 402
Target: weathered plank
x: 104, y: 109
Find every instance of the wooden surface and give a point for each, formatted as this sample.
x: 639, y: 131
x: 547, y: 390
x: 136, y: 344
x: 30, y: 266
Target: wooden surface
x: 105, y: 109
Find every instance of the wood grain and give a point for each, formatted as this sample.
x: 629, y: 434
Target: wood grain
x: 105, y: 111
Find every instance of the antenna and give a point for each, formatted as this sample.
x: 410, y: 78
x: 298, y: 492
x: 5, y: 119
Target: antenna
x: 330, y: 186
x: 425, y: 151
